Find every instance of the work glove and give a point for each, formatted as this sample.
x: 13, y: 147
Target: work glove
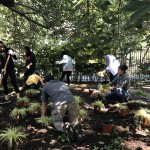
x: 57, y: 62
x: 10, y: 52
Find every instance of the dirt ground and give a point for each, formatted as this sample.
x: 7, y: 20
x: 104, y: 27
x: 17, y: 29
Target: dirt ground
x: 125, y: 135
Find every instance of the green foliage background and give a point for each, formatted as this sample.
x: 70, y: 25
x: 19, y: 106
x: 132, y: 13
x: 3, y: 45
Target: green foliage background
x: 83, y: 27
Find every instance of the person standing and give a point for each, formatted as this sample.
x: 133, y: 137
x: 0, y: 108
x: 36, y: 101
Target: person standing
x: 112, y: 65
x: 67, y: 66
x: 30, y: 63
x: 10, y: 70
x: 62, y: 101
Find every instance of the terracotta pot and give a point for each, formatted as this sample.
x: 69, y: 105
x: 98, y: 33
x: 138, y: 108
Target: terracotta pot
x: 123, y: 112
x: 18, y: 118
x: 23, y: 104
x: 145, y: 122
x: 35, y: 113
x: 97, y: 109
x: 81, y: 120
x: 107, y: 127
x: 91, y: 92
x: 83, y: 89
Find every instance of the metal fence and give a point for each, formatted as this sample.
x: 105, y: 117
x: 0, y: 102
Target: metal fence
x: 138, y: 62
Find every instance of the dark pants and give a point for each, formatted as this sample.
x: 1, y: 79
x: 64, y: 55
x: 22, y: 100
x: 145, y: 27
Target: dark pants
x: 111, y: 76
x: 12, y: 76
x: 64, y: 73
x: 116, y: 96
x: 28, y: 73
x: 32, y: 86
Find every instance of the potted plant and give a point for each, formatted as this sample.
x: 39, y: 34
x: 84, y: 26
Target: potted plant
x: 98, y: 106
x: 23, y: 101
x: 91, y: 91
x: 140, y: 113
x: 72, y: 86
x: 34, y: 108
x: 18, y: 114
x: 123, y: 110
x: 82, y: 115
x: 12, y: 137
x: 31, y: 93
x: 104, y: 89
x: 143, y: 115
x: 44, y: 121
x: 78, y: 100
x: 107, y: 126
x: 83, y: 87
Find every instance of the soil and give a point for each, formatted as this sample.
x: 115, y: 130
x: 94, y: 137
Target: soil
x: 125, y: 135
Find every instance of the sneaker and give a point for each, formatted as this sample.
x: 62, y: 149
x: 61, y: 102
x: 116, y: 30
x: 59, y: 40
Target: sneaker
x: 68, y: 130
x: 79, y: 133
x: 6, y: 98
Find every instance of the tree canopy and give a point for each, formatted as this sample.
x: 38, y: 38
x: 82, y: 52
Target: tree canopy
x: 83, y: 27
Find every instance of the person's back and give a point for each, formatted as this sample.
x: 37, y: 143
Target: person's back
x: 33, y: 79
x: 58, y: 92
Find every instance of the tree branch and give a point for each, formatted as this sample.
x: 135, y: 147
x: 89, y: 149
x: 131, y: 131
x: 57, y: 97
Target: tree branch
x: 28, y: 18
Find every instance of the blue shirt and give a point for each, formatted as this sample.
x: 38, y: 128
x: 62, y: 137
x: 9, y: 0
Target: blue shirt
x: 58, y: 92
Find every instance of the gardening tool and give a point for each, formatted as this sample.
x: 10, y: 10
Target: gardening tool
x: 4, y: 70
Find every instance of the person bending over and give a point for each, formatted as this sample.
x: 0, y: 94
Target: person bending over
x: 10, y: 70
x: 30, y: 63
x: 122, y: 82
x: 63, y: 101
x: 34, y: 81
x: 112, y: 65
x: 66, y: 66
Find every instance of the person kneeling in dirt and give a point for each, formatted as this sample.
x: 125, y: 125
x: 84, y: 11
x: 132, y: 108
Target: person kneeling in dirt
x: 34, y: 81
x: 122, y: 82
x: 63, y: 101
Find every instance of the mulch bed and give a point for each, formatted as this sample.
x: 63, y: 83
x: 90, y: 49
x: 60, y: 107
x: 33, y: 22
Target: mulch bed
x: 40, y: 138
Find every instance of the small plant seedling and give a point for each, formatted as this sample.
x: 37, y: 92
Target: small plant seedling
x: 23, y: 101
x: 18, y: 113
x: 98, y: 103
x: 141, y: 113
x: 31, y: 93
x: 13, y: 136
x: 63, y: 138
x: 72, y: 86
x: 140, y: 92
x: 83, y: 113
x: 143, y: 116
x: 105, y: 89
x: 83, y: 85
x: 96, y: 148
x: 34, y: 108
x: 44, y: 121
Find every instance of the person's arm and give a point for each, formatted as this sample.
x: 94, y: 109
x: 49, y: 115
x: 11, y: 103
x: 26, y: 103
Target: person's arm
x: 44, y: 102
x: 64, y: 60
x: 124, y: 83
x: 114, y: 82
x: 43, y: 109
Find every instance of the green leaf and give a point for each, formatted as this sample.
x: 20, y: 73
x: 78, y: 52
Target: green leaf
x: 139, y: 14
x: 136, y: 5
